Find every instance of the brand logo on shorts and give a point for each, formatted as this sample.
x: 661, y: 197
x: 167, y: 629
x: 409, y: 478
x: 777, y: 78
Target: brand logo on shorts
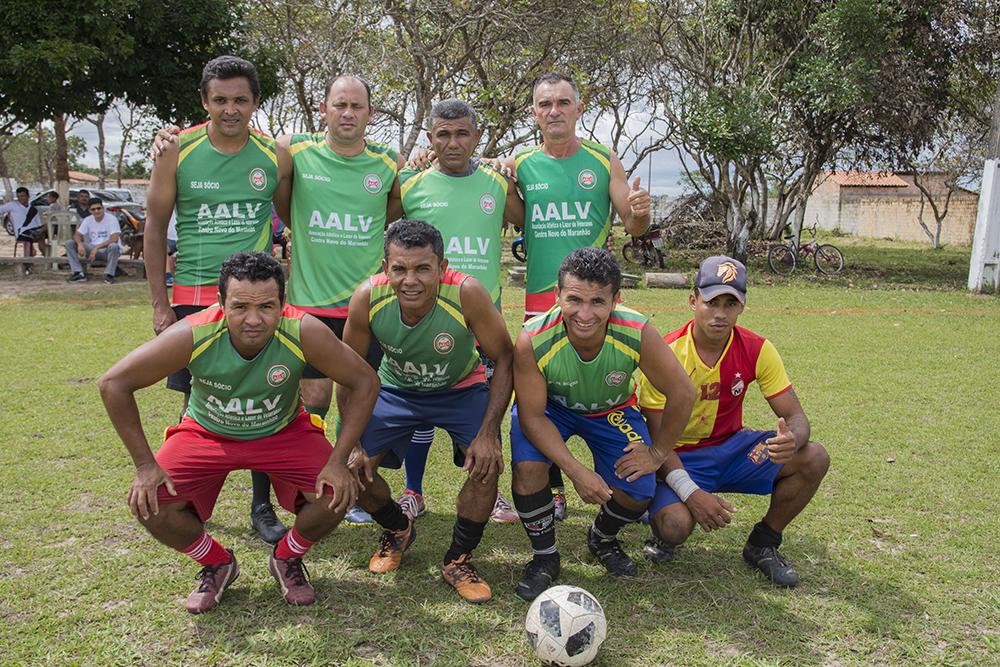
x: 615, y: 378
x: 738, y: 386
x: 372, y: 183
x: 758, y: 454
x: 444, y: 342
x: 277, y: 375
x: 488, y: 204
x: 258, y: 179
x: 587, y: 179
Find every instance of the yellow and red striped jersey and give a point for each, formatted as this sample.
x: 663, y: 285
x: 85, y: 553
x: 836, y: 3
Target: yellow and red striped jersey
x: 718, y: 409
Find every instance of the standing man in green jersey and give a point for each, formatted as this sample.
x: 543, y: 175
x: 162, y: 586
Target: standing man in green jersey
x: 573, y: 368
x: 569, y: 185
x: 468, y: 202
x: 428, y: 320
x: 338, y: 190
x: 246, y: 356
x: 220, y: 176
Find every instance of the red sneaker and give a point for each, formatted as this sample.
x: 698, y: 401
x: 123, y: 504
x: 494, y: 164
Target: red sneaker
x: 293, y: 578
x: 215, y: 579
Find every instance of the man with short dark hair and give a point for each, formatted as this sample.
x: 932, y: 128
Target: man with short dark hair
x: 716, y: 453
x: 428, y: 319
x: 96, y: 239
x: 54, y: 204
x: 25, y: 220
x: 220, y: 176
x: 573, y: 369
x: 82, y: 203
x: 246, y: 356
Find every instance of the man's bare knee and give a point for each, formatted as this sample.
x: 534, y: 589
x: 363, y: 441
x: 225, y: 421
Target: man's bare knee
x: 674, y: 523
x: 529, y: 477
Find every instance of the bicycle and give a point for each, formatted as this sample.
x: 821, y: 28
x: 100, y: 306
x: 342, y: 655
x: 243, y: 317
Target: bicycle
x: 782, y: 258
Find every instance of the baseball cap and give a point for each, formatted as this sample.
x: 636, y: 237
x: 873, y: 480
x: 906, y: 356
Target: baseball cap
x: 721, y: 275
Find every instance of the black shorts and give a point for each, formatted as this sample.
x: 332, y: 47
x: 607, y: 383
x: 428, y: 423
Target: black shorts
x: 336, y: 325
x: 32, y: 235
x: 181, y: 380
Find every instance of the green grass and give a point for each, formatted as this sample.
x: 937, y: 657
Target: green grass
x: 897, y: 552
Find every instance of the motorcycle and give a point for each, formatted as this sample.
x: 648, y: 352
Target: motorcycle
x: 646, y: 249
x: 518, y: 249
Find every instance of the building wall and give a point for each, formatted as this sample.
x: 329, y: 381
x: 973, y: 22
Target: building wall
x: 881, y: 212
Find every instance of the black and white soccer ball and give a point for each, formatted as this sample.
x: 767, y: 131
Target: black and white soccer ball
x: 566, y: 626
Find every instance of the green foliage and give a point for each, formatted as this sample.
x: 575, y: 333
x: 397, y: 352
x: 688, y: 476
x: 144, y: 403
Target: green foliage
x: 21, y: 155
x: 731, y: 122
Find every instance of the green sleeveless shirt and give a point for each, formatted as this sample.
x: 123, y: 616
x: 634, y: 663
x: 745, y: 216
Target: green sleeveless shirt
x: 567, y: 205
x: 592, y: 387
x: 223, y: 207
x: 338, y: 221
x: 468, y: 211
x: 439, y: 352
x: 240, y: 398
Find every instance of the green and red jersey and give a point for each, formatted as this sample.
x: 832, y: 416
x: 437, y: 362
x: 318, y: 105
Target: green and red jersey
x: 438, y: 352
x: 567, y: 205
x: 241, y: 398
x: 718, y: 409
x: 223, y: 207
x: 591, y: 388
x: 468, y: 211
x: 338, y: 221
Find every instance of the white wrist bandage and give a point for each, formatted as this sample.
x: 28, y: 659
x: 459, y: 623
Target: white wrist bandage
x: 681, y: 483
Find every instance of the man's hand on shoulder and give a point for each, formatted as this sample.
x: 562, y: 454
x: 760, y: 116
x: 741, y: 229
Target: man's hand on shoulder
x: 162, y: 140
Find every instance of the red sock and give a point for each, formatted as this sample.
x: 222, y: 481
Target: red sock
x: 292, y: 545
x: 206, y: 551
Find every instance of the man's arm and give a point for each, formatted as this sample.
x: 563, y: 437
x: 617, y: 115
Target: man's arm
x: 631, y: 202
x: 394, y: 203
x: 113, y: 238
x: 144, y: 366
x: 484, y: 452
x: 661, y: 368
x: 529, y: 386
x: 160, y: 202
x: 282, y: 197
x: 793, y: 427
x: 357, y: 336
x: 513, y: 210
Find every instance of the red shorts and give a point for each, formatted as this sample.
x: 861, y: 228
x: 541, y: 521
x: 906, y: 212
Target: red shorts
x: 198, y: 462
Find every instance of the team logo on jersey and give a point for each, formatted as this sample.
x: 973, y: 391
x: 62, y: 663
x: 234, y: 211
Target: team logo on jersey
x: 615, y: 378
x: 277, y: 374
x: 444, y: 342
x: 726, y: 271
x: 587, y: 179
x: 738, y: 386
x: 758, y: 454
x: 372, y: 183
x: 258, y: 179
x: 488, y: 204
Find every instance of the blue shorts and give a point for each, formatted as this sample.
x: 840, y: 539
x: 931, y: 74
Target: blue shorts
x: 399, y: 413
x: 606, y: 436
x: 738, y: 465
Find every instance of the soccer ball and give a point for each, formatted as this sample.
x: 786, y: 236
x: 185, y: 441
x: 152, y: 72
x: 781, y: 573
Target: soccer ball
x: 566, y: 626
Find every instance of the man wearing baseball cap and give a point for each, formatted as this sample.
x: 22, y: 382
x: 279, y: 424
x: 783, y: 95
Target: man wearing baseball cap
x: 716, y: 452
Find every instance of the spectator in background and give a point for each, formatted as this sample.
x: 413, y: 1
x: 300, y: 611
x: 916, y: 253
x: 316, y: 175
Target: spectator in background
x: 82, y: 204
x: 96, y: 238
x: 26, y: 222
x: 54, y: 204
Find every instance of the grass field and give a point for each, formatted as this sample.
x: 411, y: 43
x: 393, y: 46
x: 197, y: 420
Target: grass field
x: 898, y: 552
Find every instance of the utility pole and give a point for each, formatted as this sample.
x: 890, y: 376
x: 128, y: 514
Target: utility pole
x: 984, y: 265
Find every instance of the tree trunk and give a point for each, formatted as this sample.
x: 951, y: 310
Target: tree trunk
x: 62, y: 158
x: 100, y: 150
x: 42, y: 170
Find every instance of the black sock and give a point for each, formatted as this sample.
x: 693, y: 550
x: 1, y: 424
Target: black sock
x: 763, y: 535
x: 261, y: 488
x: 611, y: 518
x: 391, y: 517
x: 555, y: 477
x: 464, y: 537
x: 537, y: 513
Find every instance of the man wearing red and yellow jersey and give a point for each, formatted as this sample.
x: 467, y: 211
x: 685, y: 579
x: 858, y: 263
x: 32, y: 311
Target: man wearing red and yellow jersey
x: 716, y: 453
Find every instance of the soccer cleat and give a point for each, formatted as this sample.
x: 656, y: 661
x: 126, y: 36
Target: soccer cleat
x: 357, y: 516
x: 215, y: 579
x: 774, y: 566
x: 266, y: 523
x: 412, y: 504
x: 77, y: 278
x: 109, y: 279
x: 658, y: 551
x: 391, y: 546
x: 293, y: 578
x: 611, y: 555
x: 559, y: 503
x: 462, y: 575
x: 538, y: 576
x: 502, y: 511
